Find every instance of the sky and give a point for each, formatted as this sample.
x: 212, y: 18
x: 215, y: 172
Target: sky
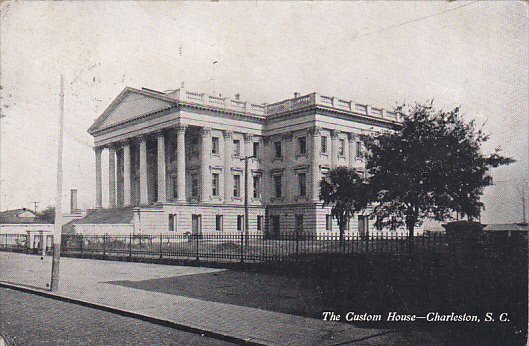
x: 459, y: 53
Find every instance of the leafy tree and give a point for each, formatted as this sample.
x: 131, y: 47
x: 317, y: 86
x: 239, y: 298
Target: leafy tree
x: 47, y: 214
x: 430, y: 167
x: 346, y: 192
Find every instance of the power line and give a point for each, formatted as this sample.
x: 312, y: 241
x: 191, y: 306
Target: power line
x: 415, y: 20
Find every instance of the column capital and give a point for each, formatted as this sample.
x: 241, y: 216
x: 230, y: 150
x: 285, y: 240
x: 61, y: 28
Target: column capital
x: 352, y: 136
x: 159, y: 133
x: 205, y: 131
x: 181, y: 128
x: 141, y: 137
x: 99, y: 148
x: 335, y: 133
x: 123, y: 142
x: 316, y: 131
x: 248, y: 137
x: 227, y: 134
x: 287, y: 135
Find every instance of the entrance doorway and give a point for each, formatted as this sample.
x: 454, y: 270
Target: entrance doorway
x: 275, y: 226
x: 363, y: 226
x: 196, y: 224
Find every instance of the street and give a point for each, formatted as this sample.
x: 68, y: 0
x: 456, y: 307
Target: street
x: 28, y: 319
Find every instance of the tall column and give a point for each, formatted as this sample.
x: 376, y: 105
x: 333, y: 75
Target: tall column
x: 162, y: 186
x: 228, y: 153
x: 119, y: 175
x: 99, y: 185
x: 315, y: 164
x: 334, y: 147
x: 288, y: 180
x: 112, y: 176
x: 144, y: 192
x: 181, y: 162
x: 127, y: 190
x: 205, y: 158
x: 248, y: 151
x: 352, y: 155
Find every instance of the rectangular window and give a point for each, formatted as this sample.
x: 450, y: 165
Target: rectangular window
x: 328, y: 222
x: 358, y: 149
x: 277, y: 185
x: 256, y: 150
x: 236, y: 147
x: 302, y: 181
x: 257, y: 186
x: 299, y: 223
x: 240, y: 222
x: 259, y: 222
x: 342, y: 147
x: 194, y: 185
x: 172, y: 222
x: 218, y: 222
x: 324, y: 145
x: 237, y: 185
x: 175, y: 187
x: 302, y: 143
x: 277, y: 147
x: 215, y: 145
x: 215, y: 184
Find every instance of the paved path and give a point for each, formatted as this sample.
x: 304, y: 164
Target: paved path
x: 28, y: 319
x: 88, y: 281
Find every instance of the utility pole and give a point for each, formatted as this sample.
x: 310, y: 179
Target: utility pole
x: 214, y: 78
x: 246, y: 217
x: 35, y: 204
x: 58, y: 201
x: 521, y: 191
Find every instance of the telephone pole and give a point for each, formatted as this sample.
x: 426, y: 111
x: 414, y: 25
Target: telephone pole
x: 246, y: 211
x: 58, y: 201
x: 35, y: 204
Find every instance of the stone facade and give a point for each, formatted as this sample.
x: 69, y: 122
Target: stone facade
x: 179, y: 157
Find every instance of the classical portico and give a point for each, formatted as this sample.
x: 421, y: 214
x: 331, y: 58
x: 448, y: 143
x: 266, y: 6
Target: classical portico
x: 177, y: 157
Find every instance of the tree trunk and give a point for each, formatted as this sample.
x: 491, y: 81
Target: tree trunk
x: 411, y: 220
x: 342, y: 232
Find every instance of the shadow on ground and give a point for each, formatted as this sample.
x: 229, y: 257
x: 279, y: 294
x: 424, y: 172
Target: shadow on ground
x: 475, y: 280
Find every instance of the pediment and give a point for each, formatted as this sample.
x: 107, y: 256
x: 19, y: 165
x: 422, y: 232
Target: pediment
x: 130, y: 104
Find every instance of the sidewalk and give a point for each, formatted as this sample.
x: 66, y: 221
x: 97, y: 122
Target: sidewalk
x: 87, y: 282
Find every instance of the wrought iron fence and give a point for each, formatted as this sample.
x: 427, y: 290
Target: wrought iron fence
x: 221, y: 247
x: 238, y: 247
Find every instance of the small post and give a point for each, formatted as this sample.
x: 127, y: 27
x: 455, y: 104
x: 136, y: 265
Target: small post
x: 81, y: 243
x: 104, y: 249
x: 28, y: 242
x: 42, y: 243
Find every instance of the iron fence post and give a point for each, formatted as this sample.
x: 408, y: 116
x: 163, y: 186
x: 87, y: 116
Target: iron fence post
x: 160, y: 245
x: 130, y: 245
x: 104, y: 249
x: 81, y: 244
x: 242, y: 247
x: 297, y: 244
x: 196, y: 235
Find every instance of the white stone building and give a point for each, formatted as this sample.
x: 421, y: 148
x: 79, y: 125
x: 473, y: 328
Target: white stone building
x: 175, y: 159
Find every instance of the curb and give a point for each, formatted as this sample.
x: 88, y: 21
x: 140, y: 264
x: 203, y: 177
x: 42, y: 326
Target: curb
x: 131, y: 314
